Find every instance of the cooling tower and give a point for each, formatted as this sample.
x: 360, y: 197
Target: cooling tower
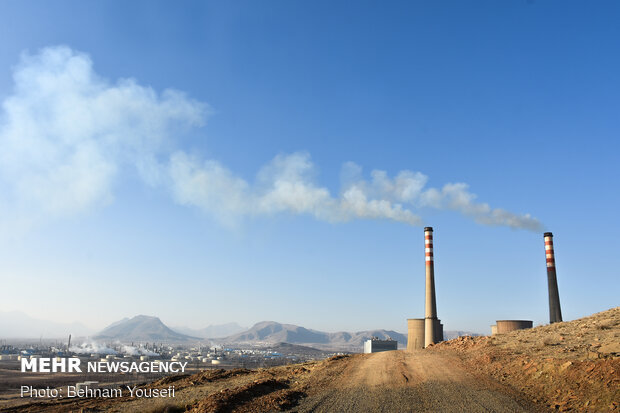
x: 555, y: 313
x: 430, y: 315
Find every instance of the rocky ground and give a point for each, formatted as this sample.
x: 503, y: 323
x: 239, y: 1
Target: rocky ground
x: 564, y: 366
x: 572, y: 366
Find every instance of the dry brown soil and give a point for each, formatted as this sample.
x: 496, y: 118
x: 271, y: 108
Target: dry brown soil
x: 570, y: 366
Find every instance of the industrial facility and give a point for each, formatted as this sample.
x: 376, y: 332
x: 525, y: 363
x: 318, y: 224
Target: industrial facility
x: 506, y: 326
x: 555, y: 312
x: 422, y: 332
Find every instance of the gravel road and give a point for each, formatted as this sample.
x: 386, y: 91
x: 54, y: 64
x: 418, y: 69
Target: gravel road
x: 397, y: 381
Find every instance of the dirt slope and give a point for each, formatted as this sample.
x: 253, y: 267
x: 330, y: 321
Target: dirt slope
x: 564, y: 366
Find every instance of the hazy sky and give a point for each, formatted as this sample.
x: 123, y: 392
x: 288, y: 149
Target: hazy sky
x: 208, y: 162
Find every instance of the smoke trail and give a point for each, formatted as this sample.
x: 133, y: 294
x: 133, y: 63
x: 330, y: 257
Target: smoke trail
x: 67, y: 135
x: 286, y: 184
x: 138, y: 351
x: 92, y: 347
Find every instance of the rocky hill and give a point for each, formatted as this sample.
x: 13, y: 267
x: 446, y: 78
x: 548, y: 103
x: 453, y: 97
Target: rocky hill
x: 569, y: 366
x: 273, y: 332
x: 141, y: 328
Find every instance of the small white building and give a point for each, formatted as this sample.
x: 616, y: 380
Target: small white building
x: 375, y: 345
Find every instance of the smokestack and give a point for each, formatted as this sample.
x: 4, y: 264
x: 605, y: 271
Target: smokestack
x: 555, y: 313
x: 430, y: 315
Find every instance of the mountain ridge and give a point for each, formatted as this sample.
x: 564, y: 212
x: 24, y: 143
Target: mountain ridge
x: 141, y: 328
x: 149, y: 328
x: 273, y: 332
x: 211, y: 331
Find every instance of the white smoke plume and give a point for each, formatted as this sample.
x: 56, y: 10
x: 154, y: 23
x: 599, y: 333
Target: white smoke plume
x: 138, y: 351
x: 66, y: 135
x: 286, y: 184
x: 92, y: 347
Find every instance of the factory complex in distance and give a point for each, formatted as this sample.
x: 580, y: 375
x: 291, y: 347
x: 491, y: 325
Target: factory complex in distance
x: 422, y: 332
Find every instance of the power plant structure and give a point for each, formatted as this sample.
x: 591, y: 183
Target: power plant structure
x: 422, y: 332
x: 415, y: 334
x: 555, y: 313
x: 506, y: 326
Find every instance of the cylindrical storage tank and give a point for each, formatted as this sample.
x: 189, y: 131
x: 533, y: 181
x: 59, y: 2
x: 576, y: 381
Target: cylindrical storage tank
x: 415, y: 336
x: 506, y: 326
x: 494, y: 329
x: 215, y: 362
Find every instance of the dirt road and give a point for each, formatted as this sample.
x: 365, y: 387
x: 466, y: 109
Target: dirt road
x: 397, y: 381
x: 392, y: 381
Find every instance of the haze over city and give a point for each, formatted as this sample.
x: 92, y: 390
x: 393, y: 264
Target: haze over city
x: 234, y: 162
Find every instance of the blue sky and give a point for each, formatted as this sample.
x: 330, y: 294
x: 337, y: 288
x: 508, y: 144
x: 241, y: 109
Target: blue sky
x: 247, y: 193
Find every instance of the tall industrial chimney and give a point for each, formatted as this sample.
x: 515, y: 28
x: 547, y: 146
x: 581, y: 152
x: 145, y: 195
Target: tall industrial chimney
x: 430, y: 315
x: 555, y: 313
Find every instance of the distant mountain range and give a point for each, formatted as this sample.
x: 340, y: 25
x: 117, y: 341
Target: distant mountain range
x: 273, y: 332
x: 148, y: 328
x: 15, y: 324
x: 145, y: 328
x: 212, y: 331
x: 141, y: 328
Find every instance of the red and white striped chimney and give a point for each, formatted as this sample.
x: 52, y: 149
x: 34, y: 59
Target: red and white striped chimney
x: 555, y: 312
x: 430, y: 316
